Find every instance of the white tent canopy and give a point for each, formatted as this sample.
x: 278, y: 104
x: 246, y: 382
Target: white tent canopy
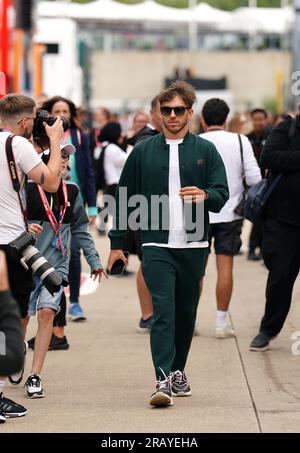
x: 268, y: 20
x: 265, y: 20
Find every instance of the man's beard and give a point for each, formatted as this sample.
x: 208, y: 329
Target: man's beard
x: 176, y: 131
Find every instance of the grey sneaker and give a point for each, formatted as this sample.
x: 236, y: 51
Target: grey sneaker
x: 260, y: 342
x: 180, y: 385
x: 162, y: 396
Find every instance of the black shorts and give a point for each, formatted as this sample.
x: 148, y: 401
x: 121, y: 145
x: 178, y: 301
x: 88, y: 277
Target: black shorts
x: 227, y: 237
x: 20, y: 282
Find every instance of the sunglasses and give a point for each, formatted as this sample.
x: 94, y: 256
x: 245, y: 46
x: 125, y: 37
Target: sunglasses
x: 179, y: 110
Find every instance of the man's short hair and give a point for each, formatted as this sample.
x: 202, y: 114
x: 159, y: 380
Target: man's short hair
x: 259, y: 110
x: 215, y: 112
x: 181, y: 89
x: 154, y: 102
x: 12, y: 106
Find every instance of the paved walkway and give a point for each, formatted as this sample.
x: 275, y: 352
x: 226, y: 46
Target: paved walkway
x: 103, y: 383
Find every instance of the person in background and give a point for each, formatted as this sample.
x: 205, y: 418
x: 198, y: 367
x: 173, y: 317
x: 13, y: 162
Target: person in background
x: 237, y: 123
x: 140, y: 120
x: 226, y: 226
x: 257, y: 138
x: 64, y: 218
x: 281, y: 227
x: 82, y: 174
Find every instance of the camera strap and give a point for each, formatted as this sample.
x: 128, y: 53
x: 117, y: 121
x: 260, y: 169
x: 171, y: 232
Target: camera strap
x: 14, y: 174
x: 56, y: 224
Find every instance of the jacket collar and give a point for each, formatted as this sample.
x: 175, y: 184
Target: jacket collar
x: 187, y: 138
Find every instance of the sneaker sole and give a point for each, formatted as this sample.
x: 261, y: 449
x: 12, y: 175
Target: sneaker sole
x: 36, y: 395
x: 182, y: 394
x: 253, y: 348
x: 161, y: 400
x: 16, y: 415
x: 59, y: 348
x: 2, y: 419
x: 76, y: 318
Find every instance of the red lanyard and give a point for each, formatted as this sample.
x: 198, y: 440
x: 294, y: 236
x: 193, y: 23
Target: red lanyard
x: 56, y: 225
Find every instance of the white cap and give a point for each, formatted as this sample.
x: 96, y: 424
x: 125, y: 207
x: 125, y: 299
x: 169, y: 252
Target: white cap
x: 68, y: 148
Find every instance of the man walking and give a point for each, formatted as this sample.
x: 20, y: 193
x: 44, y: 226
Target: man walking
x: 281, y: 229
x: 226, y: 226
x: 181, y: 167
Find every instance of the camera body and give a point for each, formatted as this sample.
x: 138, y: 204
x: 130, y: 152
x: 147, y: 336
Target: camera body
x: 39, y: 132
x: 22, y: 249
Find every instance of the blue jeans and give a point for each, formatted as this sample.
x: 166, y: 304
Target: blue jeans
x: 74, y: 271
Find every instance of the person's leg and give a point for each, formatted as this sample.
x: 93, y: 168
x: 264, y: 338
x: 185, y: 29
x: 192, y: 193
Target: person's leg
x: 281, y: 252
x: 159, y: 270
x: 160, y: 276
x: 190, y: 268
x: 144, y: 296
x: 42, y: 339
x: 75, y: 311
x: 227, y: 245
x: 60, y: 321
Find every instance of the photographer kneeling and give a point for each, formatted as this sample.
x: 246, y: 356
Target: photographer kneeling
x: 17, y: 114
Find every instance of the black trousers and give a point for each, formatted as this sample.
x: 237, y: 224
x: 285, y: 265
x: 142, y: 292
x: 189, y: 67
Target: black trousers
x: 281, y: 254
x: 60, y: 318
x: 256, y: 236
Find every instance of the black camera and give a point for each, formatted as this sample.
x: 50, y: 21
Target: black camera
x: 22, y: 249
x: 39, y: 132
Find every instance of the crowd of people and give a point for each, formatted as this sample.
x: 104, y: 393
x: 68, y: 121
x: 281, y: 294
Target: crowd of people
x: 55, y: 192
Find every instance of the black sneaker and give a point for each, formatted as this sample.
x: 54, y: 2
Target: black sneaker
x: 2, y: 417
x: 144, y: 325
x: 16, y: 378
x: 162, y: 396
x: 11, y: 409
x: 180, y: 385
x: 260, y: 342
x: 34, y: 387
x: 56, y: 343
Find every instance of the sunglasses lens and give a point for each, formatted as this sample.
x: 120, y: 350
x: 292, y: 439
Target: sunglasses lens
x: 166, y: 111
x: 179, y: 110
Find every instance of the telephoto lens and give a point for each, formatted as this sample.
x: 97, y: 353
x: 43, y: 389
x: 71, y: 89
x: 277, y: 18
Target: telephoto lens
x: 41, y: 268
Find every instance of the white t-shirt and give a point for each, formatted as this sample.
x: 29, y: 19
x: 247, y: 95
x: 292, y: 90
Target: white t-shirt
x: 114, y: 161
x: 26, y: 158
x: 228, y: 146
x: 177, y: 232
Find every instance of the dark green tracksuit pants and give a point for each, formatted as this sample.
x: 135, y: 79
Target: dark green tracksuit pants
x: 173, y: 278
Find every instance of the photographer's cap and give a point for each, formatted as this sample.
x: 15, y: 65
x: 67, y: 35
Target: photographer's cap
x: 68, y: 149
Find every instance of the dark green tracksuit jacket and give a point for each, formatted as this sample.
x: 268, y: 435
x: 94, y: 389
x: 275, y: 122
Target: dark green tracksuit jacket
x: 172, y: 275
x: 146, y: 172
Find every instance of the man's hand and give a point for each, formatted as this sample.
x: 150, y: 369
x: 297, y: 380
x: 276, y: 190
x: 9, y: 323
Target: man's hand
x: 114, y: 256
x: 35, y: 228
x: 56, y: 131
x: 192, y: 194
x: 4, y: 285
x: 97, y: 273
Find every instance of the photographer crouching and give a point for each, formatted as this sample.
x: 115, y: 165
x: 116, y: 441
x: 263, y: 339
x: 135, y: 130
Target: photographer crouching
x: 18, y: 161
